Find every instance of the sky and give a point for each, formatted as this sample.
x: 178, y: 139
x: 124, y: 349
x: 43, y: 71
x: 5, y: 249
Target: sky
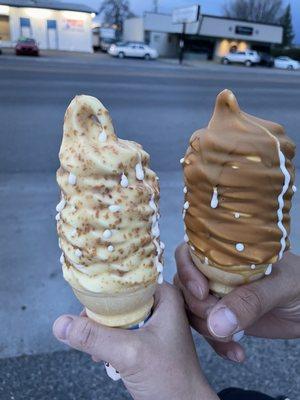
x: 207, y: 7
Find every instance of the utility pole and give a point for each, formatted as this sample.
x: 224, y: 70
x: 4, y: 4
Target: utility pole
x: 181, y: 43
x: 155, y: 6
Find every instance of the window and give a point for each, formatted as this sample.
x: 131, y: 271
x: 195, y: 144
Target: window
x: 141, y: 47
x: 4, y: 27
x: 24, y: 22
x: 51, y: 24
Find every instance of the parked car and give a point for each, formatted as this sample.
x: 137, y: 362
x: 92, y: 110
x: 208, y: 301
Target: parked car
x: 266, y: 60
x: 132, y: 49
x: 27, y: 46
x: 248, y: 58
x: 106, y: 43
x: 284, y: 62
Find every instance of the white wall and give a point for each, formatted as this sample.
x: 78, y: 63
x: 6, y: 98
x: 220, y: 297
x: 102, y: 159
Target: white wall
x: 73, y: 28
x: 166, y: 44
x: 225, y: 28
x: 133, y: 30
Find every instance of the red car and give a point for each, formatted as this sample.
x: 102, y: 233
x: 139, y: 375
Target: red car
x: 27, y: 46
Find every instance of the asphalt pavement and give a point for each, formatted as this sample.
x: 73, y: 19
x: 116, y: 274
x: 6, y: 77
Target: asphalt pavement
x: 158, y: 104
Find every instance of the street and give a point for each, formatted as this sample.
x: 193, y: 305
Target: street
x: 159, y: 105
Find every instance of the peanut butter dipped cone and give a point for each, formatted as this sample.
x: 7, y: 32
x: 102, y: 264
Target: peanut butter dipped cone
x: 107, y: 219
x: 239, y: 184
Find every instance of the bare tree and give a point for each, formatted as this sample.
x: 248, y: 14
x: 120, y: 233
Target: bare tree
x: 115, y: 12
x: 268, y: 11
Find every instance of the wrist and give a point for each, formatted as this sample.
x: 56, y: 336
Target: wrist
x: 202, y: 389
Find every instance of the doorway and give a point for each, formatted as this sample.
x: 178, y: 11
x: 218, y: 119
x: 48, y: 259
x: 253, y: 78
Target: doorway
x: 52, y: 37
x: 25, y: 26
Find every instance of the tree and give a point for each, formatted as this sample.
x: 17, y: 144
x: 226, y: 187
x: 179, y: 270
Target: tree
x: 115, y: 12
x: 255, y: 10
x: 286, y: 22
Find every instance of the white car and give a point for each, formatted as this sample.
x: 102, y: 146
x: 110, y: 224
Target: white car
x: 132, y: 49
x: 286, y: 63
x: 248, y: 58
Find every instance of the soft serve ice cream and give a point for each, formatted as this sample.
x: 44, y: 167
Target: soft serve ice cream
x: 108, y: 215
x: 239, y: 183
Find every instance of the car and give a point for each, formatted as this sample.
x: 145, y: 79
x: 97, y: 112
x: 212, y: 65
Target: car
x: 105, y: 43
x: 132, y: 49
x: 27, y: 46
x: 248, y: 58
x: 284, y: 62
x: 266, y: 60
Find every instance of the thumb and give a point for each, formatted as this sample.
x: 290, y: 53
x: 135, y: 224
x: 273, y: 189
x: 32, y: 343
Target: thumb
x: 116, y: 346
x: 239, y: 309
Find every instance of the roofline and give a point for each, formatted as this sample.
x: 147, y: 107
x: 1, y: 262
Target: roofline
x: 241, y: 20
x: 5, y: 3
x: 221, y: 17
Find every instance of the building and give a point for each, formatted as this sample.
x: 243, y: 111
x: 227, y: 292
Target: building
x: 210, y: 37
x: 53, y: 24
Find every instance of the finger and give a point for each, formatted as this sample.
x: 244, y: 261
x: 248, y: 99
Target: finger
x: 190, y: 277
x: 240, y: 309
x: 200, y: 325
x: 101, y: 342
x: 229, y: 350
x: 200, y: 308
x: 167, y: 308
x: 83, y: 313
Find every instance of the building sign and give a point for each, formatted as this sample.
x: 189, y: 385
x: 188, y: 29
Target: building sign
x: 186, y: 15
x: 73, y: 24
x: 244, y: 30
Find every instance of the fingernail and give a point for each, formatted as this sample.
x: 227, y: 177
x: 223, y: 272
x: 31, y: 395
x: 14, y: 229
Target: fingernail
x: 238, y: 336
x: 195, y: 289
x: 223, y: 322
x: 61, y: 326
x: 231, y: 355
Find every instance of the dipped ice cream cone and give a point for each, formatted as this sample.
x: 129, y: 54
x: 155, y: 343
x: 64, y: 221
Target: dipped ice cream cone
x: 119, y: 309
x: 107, y: 218
x: 239, y: 183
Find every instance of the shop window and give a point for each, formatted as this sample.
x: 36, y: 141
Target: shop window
x: 4, y: 28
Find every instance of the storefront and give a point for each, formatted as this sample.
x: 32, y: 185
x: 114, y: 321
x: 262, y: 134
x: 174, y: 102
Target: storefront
x: 53, y: 24
x: 211, y: 36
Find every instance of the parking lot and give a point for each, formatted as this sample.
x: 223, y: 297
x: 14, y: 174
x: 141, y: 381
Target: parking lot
x: 158, y: 104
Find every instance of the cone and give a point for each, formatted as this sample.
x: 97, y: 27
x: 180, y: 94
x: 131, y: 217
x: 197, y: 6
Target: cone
x: 222, y: 280
x: 120, y: 310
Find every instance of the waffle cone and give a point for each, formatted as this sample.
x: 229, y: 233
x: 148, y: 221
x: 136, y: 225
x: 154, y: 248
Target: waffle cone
x: 122, y: 310
x: 222, y: 280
